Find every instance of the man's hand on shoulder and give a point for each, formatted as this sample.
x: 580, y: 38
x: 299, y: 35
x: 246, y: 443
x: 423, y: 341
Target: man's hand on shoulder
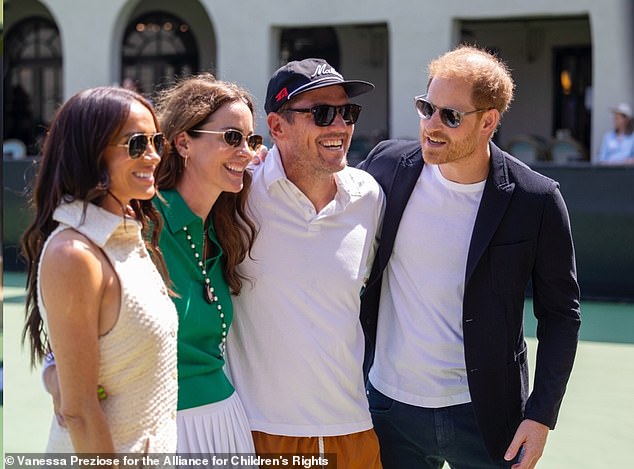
x: 259, y: 156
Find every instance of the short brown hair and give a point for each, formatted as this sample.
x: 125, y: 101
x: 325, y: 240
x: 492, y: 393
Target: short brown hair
x: 490, y: 77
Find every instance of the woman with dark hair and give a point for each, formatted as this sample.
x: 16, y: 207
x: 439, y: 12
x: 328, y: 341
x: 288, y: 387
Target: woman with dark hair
x: 94, y: 296
x: 204, y: 182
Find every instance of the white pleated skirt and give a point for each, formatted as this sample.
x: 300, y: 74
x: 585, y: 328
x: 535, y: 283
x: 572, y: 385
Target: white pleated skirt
x: 217, y: 428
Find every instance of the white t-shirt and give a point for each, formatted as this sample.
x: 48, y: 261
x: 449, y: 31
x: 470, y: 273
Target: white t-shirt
x: 295, y: 348
x: 419, y: 350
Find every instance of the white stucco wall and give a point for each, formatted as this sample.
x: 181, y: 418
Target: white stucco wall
x: 240, y: 37
x: 612, y: 26
x: 87, y: 31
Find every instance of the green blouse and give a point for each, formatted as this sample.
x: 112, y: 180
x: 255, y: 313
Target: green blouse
x: 201, y: 379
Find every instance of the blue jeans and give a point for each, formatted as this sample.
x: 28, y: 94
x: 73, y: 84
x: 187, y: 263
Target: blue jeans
x: 414, y: 437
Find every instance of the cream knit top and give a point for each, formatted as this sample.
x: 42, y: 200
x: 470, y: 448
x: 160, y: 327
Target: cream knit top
x: 137, y: 357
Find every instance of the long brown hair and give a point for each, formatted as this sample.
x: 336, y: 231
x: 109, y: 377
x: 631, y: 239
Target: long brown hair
x: 186, y: 106
x: 72, y: 168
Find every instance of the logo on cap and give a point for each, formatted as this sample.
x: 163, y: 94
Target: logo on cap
x: 325, y: 69
x: 281, y: 95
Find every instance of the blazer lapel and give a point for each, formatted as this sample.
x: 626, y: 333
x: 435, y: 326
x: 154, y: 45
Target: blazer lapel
x: 405, y: 176
x: 495, y: 199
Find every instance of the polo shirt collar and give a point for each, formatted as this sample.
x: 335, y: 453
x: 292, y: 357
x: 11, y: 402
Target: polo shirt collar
x: 273, y: 171
x: 98, y: 225
x: 176, y: 212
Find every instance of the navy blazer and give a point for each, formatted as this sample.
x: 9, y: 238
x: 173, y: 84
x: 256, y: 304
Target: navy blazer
x: 521, y: 236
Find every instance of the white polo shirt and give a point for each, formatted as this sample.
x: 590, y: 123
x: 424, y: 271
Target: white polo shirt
x: 295, y: 348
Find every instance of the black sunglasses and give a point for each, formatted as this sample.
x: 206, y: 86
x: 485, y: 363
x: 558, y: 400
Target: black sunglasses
x: 324, y: 114
x: 234, y: 137
x: 137, y: 144
x: 450, y: 117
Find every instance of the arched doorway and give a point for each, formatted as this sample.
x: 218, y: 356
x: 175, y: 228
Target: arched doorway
x: 32, y: 80
x: 157, y: 46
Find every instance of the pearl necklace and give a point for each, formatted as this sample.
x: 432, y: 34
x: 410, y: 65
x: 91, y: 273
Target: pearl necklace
x: 208, y: 289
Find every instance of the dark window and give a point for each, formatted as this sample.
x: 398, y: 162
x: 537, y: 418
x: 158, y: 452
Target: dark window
x: 32, y: 81
x: 157, y: 47
x: 303, y: 43
x: 573, y: 81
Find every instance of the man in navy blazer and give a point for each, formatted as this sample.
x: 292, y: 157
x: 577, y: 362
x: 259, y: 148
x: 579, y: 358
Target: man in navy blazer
x: 467, y: 229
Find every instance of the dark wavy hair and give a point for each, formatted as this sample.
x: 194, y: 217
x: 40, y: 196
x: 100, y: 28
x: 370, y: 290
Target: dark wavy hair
x: 186, y: 106
x: 72, y: 168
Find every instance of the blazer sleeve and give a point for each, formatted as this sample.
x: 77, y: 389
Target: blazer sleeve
x: 556, y: 307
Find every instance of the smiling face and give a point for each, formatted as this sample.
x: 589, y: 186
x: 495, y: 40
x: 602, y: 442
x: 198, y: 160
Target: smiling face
x: 306, y: 148
x: 212, y: 164
x: 131, y: 178
x: 462, y: 152
x: 442, y: 144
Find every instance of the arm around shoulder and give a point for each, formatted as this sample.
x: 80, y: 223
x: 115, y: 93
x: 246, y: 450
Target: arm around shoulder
x: 388, y: 152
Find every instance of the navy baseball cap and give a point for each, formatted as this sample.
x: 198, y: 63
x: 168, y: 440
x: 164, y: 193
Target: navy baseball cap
x: 304, y: 75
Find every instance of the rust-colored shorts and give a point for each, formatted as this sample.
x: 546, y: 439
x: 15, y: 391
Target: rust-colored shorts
x: 354, y: 451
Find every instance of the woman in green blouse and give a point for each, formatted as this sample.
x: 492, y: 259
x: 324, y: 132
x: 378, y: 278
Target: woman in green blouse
x: 203, y: 184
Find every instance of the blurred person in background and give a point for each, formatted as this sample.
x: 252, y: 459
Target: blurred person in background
x: 617, y: 146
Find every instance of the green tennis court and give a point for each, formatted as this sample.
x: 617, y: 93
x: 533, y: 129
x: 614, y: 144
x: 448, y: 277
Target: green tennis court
x: 595, y: 424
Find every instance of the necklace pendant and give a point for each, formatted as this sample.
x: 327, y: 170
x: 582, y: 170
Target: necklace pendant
x: 208, y: 294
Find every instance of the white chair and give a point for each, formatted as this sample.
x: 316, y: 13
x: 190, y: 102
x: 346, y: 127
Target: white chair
x: 527, y: 148
x: 566, y: 150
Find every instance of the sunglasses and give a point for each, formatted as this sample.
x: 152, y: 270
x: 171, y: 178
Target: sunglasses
x: 234, y: 138
x: 137, y: 144
x: 324, y: 114
x: 450, y: 117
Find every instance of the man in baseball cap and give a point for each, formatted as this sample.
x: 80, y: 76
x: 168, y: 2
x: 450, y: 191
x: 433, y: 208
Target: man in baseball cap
x: 304, y: 75
x: 296, y: 346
